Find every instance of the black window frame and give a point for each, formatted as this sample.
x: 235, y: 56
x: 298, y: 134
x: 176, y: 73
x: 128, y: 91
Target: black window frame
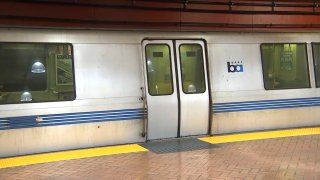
x: 307, y: 60
x: 146, y: 63
x: 203, y: 64
x: 314, y: 67
x: 73, y: 72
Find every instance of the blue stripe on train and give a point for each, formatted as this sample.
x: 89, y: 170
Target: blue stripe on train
x: 135, y: 114
x: 71, y: 118
x: 265, y: 104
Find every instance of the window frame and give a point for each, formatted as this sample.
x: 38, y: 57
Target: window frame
x: 203, y: 75
x: 73, y: 72
x: 146, y: 66
x: 314, y: 67
x: 307, y: 65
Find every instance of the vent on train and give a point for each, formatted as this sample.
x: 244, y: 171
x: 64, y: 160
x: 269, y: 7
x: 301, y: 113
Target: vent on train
x: 191, y: 54
x: 157, y: 54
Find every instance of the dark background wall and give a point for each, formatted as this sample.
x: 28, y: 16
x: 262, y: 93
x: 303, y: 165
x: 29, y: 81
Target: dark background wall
x: 197, y: 15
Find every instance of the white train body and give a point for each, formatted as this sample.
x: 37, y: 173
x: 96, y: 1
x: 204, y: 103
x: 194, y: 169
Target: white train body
x: 111, y: 105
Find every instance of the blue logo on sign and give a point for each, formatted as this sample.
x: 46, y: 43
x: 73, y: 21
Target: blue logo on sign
x: 235, y: 66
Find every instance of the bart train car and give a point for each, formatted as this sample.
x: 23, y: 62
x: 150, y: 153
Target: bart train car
x: 69, y: 89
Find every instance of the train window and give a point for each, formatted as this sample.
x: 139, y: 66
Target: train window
x: 285, y: 66
x: 36, y: 72
x: 159, y: 72
x: 192, y: 71
x: 316, y: 59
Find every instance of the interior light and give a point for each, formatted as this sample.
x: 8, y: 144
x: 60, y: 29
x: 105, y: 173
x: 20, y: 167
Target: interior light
x: 38, y: 67
x: 26, y: 96
x: 150, y: 66
x: 192, y: 88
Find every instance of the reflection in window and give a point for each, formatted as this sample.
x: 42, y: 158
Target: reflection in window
x: 159, y: 69
x: 316, y: 61
x: 29, y: 72
x: 192, y: 72
x: 285, y: 66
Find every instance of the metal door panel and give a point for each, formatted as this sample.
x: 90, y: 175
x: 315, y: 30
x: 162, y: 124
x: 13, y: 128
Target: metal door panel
x: 162, y: 109
x: 194, y: 107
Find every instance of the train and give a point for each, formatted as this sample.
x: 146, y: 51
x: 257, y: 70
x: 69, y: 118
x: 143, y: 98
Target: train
x: 64, y: 89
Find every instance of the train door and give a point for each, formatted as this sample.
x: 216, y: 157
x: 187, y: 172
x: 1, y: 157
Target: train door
x: 176, y: 88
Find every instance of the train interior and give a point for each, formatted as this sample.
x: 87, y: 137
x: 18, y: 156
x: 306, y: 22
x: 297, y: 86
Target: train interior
x: 35, y: 72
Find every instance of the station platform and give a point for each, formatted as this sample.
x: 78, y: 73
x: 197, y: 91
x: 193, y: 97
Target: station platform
x: 280, y: 154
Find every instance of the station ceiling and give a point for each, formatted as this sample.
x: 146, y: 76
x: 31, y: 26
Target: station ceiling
x: 179, y: 15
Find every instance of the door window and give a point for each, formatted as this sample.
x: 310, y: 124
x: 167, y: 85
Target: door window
x: 159, y: 71
x: 192, y: 72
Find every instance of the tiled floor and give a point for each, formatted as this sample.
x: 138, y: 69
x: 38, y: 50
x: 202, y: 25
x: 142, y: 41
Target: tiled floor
x: 281, y: 158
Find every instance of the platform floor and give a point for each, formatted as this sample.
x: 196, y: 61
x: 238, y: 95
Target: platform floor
x: 243, y: 156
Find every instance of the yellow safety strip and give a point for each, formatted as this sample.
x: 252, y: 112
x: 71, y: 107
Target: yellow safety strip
x: 68, y: 155
x: 217, y: 139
